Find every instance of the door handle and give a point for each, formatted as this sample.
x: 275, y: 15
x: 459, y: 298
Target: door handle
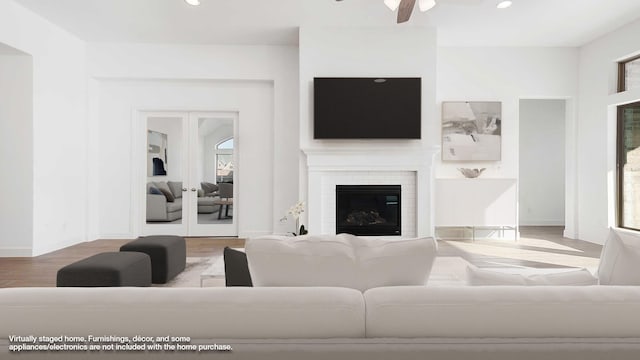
x: 193, y: 189
x: 184, y: 189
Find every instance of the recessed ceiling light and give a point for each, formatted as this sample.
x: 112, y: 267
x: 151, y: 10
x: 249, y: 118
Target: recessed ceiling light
x: 503, y: 4
x: 193, y: 2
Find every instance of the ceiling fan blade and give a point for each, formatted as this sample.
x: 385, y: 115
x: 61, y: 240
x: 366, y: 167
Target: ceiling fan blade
x: 405, y: 9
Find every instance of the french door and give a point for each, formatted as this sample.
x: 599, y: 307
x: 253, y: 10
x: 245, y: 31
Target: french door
x: 189, y: 184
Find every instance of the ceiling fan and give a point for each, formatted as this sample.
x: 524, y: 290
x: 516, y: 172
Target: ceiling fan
x: 405, y: 7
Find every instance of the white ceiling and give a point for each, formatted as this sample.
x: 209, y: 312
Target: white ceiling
x: 459, y: 22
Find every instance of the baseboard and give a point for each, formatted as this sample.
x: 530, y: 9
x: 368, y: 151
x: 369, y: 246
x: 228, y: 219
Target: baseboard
x: 541, y: 222
x: 53, y: 247
x: 116, y: 237
x: 570, y: 234
x: 16, y: 252
x: 251, y: 234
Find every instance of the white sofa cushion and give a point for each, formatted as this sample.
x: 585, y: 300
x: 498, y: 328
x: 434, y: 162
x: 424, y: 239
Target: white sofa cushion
x: 339, y: 260
x: 503, y: 311
x: 479, y: 277
x: 205, y: 313
x: 383, y: 262
x: 325, y: 260
x: 620, y: 258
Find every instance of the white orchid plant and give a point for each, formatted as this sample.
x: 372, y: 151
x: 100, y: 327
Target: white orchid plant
x: 295, y: 211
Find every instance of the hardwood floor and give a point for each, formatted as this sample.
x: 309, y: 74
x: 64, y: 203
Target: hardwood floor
x: 41, y: 270
x: 537, y: 247
x: 540, y: 247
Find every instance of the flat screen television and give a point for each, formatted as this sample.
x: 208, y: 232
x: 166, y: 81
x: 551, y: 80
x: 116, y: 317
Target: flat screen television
x: 367, y: 108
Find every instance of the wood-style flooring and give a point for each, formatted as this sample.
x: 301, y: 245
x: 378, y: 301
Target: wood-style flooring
x: 539, y: 247
x: 40, y: 271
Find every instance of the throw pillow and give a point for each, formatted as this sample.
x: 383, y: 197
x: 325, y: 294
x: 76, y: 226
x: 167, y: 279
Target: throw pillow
x: 309, y: 260
x: 162, y: 186
x: 209, y: 187
x: 580, y: 277
x: 155, y: 191
x: 620, y: 258
x: 396, y: 262
x: 483, y: 277
x: 176, y: 188
x: 236, y: 268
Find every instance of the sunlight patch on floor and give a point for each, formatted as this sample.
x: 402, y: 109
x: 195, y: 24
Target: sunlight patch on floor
x: 545, y: 244
x: 489, y: 249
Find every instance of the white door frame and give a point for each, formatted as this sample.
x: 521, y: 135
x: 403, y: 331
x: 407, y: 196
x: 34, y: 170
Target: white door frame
x: 188, y: 226
x: 571, y: 150
x: 194, y: 228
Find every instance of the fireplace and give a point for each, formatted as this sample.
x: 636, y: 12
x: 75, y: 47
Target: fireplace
x: 368, y: 209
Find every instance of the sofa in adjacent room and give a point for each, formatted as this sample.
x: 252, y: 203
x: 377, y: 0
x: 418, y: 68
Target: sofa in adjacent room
x: 164, y: 201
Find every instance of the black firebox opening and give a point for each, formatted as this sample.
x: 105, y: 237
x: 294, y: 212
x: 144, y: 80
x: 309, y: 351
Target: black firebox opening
x: 368, y: 209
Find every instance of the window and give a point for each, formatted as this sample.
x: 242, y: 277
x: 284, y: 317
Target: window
x: 226, y: 144
x: 629, y: 166
x: 224, y: 161
x: 629, y: 74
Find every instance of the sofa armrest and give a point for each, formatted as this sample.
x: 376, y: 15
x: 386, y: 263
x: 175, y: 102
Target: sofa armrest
x: 156, y: 207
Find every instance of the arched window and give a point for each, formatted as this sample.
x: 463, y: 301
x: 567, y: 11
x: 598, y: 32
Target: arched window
x: 224, y: 161
x: 225, y: 144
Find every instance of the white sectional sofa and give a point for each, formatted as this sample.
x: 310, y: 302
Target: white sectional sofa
x: 360, y: 318
x: 412, y: 322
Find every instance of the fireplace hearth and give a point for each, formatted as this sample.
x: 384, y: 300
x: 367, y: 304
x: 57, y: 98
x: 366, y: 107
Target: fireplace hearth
x: 372, y: 210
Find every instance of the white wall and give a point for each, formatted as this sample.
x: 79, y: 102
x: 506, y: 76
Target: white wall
x: 507, y: 75
x: 597, y: 128
x: 59, y: 189
x: 542, y: 158
x: 16, y: 152
x: 251, y: 73
x: 120, y: 183
x: 367, y: 52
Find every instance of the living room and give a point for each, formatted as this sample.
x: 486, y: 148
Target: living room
x: 78, y: 77
x: 86, y: 75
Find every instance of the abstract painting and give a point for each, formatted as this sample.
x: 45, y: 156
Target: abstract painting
x: 471, y: 130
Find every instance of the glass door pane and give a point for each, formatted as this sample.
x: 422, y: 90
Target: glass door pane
x: 629, y: 166
x: 213, y: 174
x: 165, y: 168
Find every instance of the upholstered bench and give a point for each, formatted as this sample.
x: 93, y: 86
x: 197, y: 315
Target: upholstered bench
x: 107, y: 269
x: 168, y: 255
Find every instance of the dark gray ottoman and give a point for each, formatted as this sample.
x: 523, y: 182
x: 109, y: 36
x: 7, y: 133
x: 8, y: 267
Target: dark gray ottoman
x: 168, y: 255
x: 107, y: 269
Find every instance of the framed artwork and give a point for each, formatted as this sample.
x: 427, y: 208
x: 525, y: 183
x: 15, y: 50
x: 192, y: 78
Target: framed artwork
x: 471, y: 130
x: 156, y: 153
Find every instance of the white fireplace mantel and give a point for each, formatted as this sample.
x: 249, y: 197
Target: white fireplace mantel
x: 411, y: 166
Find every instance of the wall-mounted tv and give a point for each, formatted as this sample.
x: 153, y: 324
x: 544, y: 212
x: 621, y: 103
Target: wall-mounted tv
x: 367, y: 108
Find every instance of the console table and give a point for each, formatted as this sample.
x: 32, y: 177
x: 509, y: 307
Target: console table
x: 476, y: 203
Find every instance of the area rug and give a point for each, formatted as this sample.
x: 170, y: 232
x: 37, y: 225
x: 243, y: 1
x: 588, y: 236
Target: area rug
x: 190, y: 276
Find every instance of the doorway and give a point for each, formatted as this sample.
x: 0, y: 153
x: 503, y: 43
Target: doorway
x: 190, y: 182
x: 542, y: 162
